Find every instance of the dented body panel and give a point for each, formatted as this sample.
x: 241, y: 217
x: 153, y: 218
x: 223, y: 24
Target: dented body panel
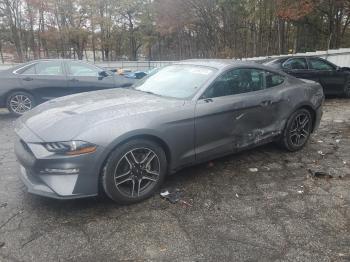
x: 190, y: 130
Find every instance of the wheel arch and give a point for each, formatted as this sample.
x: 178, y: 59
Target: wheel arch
x: 312, y: 112
x: 146, y: 136
x: 7, y: 94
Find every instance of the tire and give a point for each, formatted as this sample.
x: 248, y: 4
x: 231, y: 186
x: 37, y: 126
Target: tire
x: 297, y: 131
x: 20, y: 102
x: 347, y: 91
x: 134, y: 171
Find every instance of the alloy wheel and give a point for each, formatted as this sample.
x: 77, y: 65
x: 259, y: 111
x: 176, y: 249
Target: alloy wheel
x: 137, y: 172
x: 300, y: 130
x: 20, y: 104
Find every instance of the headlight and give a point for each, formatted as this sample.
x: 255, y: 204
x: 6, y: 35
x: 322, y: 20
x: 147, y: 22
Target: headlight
x: 71, y: 148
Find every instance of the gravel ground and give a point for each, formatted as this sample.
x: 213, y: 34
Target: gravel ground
x: 227, y: 212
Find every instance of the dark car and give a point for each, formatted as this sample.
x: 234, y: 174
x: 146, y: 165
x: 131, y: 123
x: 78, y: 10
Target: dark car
x: 30, y: 84
x: 335, y: 80
x: 124, y: 141
x: 136, y: 75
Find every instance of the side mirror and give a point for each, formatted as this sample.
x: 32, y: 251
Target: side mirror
x: 103, y: 74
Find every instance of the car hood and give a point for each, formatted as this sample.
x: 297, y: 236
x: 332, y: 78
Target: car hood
x: 64, y: 118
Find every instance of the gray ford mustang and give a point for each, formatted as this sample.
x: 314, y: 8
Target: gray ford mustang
x: 127, y: 140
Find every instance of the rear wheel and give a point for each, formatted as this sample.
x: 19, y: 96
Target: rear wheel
x: 134, y: 171
x: 347, y: 91
x: 20, y: 102
x: 297, y: 131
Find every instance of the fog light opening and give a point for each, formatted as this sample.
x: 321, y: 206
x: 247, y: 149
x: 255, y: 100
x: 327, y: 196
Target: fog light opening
x: 60, y: 171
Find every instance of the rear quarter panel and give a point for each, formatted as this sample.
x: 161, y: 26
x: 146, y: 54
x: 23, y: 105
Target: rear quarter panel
x: 298, y: 94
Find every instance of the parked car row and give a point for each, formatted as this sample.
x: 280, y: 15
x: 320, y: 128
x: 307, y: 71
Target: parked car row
x: 27, y: 85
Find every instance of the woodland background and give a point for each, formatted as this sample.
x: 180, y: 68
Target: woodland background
x: 170, y: 29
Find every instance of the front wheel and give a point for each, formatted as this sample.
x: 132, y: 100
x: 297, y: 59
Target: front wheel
x: 134, y: 171
x: 297, y: 131
x: 347, y: 91
x: 20, y: 102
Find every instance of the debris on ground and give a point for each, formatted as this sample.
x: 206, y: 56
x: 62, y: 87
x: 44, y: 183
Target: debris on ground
x: 237, y: 195
x: 254, y: 169
x: 320, y: 174
x: 321, y: 153
x: 301, y: 191
x: 2, y: 205
x: 173, y: 196
x: 320, y: 141
x: 337, y: 141
x: 2, y: 244
x: 185, y: 203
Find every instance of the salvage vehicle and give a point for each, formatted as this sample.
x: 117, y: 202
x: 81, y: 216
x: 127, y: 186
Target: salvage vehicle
x: 335, y: 80
x: 27, y: 85
x: 124, y: 141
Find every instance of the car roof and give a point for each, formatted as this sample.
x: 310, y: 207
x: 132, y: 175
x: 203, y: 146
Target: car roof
x: 290, y: 56
x: 215, y: 63
x: 53, y: 59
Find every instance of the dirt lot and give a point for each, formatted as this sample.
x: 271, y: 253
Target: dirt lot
x: 279, y: 213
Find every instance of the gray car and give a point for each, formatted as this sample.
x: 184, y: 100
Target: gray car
x: 125, y: 141
x: 27, y: 85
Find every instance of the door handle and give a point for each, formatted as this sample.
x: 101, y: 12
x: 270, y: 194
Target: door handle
x: 74, y: 80
x: 208, y: 100
x: 28, y: 79
x: 126, y: 85
x: 266, y: 103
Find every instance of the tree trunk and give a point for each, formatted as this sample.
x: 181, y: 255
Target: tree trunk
x: 1, y: 54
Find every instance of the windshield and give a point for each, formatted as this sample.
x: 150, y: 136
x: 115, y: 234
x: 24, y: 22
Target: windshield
x: 177, y: 81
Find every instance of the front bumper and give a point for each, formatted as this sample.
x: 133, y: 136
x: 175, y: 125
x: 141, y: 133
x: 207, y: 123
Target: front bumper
x: 61, y: 188
x: 46, y: 176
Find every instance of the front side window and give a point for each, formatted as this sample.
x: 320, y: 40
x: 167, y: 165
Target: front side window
x: 237, y: 81
x: 49, y: 68
x: 177, y: 81
x: 295, y: 64
x: 318, y: 64
x: 82, y: 69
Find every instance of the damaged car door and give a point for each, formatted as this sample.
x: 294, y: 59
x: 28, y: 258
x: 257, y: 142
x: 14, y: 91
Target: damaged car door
x: 236, y: 111
x: 257, y: 118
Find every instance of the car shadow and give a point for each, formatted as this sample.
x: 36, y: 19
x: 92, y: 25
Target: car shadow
x: 101, y: 205
x: 5, y: 115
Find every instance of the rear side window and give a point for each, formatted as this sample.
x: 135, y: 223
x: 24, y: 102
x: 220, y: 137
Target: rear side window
x: 236, y: 81
x: 49, y: 68
x: 43, y: 68
x: 273, y: 79
x: 295, y: 64
x: 30, y: 70
x: 318, y: 64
